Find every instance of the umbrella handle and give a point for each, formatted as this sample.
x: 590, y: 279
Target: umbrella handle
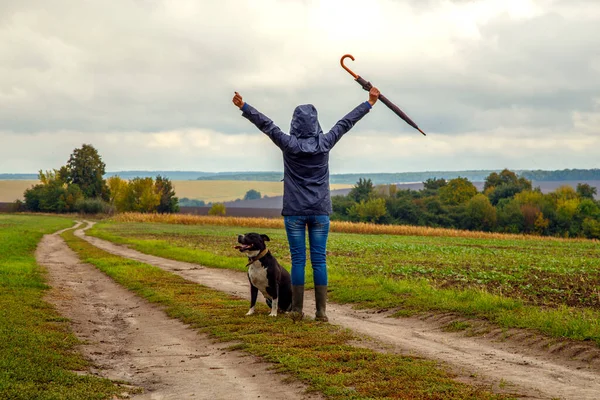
x: 346, y: 68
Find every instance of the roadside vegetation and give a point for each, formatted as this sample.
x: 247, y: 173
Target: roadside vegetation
x: 549, y: 285
x: 37, y: 348
x: 508, y: 203
x: 324, y: 356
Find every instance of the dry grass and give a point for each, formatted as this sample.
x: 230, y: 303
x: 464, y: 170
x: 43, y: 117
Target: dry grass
x: 11, y: 190
x: 336, y: 226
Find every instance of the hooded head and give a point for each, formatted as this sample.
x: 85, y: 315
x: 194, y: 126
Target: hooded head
x: 305, y: 123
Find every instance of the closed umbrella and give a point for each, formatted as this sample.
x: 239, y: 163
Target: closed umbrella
x: 367, y: 86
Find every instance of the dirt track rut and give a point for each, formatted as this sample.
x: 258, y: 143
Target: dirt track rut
x: 129, y: 339
x: 521, y: 366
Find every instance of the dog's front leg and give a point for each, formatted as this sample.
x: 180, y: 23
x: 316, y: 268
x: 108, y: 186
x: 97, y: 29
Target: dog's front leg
x: 253, y: 296
x: 275, y: 302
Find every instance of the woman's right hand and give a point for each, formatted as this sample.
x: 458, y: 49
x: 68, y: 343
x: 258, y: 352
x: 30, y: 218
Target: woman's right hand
x: 373, y: 96
x: 237, y: 100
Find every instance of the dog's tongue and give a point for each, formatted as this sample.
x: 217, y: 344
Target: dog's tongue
x: 241, y: 247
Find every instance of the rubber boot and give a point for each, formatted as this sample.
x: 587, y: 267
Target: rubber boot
x: 297, y: 302
x: 321, y: 300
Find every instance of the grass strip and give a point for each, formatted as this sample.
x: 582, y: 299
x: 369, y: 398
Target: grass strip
x: 366, y: 282
x: 321, y: 355
x: 37, y: 348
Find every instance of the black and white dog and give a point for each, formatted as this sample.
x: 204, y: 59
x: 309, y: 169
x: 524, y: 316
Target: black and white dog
x: 265, y: 274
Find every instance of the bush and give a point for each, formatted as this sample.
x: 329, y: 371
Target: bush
x: 93, y: 206
x: 217, y: 209
x: 591, y: 228
x: 252, y: 195
x: 18, y: 206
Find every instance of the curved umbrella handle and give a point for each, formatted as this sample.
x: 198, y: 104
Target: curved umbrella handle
x: 346, y: 68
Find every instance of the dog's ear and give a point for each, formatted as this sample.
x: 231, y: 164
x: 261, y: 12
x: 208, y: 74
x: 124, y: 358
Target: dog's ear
x: 265, y: 238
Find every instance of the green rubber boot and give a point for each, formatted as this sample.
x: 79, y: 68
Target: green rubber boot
x: 321, y: 300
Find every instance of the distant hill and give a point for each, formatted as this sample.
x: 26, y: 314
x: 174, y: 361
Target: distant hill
x: 18, y: 177
x: 417, y: 177
x: 349, y: 179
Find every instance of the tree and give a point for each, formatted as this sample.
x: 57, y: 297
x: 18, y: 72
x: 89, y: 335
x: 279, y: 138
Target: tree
x: 252, y: 195
x: 368, y: 211
x: 52, y: 194
x: 141, y: 196
x: 591, y: 228
x: 434, y: 184
x: 168, y: 202
x: 217, y: 209
x: 86, y: 169
x: 340, y: 206
x: 457, y: 191
x: 585, y: 191
x: 362, y: 191
x: 510, y: 217
x: 504, y: 185
x: 118, y: 193
x: 481, y: 213
x: 403, y: 210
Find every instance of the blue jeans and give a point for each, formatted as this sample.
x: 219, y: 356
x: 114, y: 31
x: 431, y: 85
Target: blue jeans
x: 318, y: 230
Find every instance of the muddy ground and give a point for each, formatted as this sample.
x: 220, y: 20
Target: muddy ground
x: 514, y: 361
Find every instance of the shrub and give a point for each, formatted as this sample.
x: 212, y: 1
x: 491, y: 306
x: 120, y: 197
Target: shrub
x: 217, y: 209
x: 252, y: 195
x: 93, y: 206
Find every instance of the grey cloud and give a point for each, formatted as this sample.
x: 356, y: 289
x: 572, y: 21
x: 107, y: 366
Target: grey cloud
x: 140, y: 66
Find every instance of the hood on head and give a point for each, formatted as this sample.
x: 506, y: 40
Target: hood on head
x: 305, y: 122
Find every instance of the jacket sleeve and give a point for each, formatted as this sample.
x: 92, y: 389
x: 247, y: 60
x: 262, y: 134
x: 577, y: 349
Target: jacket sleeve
x: 345, y: 124
x: 267, y: 126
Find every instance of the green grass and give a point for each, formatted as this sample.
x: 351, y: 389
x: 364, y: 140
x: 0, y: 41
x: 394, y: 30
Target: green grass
x: 549, y: 286
x: 37, y: 356
x: 321, y: 355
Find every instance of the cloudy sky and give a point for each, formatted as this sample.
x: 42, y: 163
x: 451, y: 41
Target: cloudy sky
x: 494, y: 83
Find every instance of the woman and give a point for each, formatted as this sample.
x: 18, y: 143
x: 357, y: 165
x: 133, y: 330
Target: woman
x: 306, y: 197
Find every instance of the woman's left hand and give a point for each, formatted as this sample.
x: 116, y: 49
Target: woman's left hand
x: 373, y: 95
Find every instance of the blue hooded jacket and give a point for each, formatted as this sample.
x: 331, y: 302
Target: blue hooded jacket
x: 305, y: 156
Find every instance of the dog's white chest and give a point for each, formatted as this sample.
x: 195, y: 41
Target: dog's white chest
x: 258, y: 277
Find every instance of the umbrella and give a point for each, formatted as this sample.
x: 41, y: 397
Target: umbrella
x: 367, y: 86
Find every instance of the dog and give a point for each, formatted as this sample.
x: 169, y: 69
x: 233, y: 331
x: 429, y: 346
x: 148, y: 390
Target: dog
x: 265, y: 274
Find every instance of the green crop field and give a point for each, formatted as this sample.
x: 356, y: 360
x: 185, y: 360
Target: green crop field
x: 547, y: 285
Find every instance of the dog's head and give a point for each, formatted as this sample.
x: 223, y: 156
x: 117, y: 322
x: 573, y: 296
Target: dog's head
x: 252, y: 243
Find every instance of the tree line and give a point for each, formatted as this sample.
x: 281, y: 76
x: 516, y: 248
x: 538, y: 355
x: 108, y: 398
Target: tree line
x: 79, y: 186
x: 508, y: 203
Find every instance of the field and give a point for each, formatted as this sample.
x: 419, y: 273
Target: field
x: 220, y: 191
x: 37, y: 360
x: 545, y: 284
x: 329, y: 359
x: 548, y: 286
x: 209, y: 191
x: 11, y: 190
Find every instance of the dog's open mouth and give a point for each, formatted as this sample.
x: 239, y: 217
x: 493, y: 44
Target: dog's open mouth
x: 244, y: 247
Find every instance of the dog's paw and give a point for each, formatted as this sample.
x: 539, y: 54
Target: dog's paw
x: 250, y: 312
x: 273, y: 314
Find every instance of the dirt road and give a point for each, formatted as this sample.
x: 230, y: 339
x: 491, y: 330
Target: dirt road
x: 131, y: 340
x: 518, y: 361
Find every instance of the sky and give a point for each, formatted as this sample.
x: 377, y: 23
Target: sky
x: 494, y: 83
